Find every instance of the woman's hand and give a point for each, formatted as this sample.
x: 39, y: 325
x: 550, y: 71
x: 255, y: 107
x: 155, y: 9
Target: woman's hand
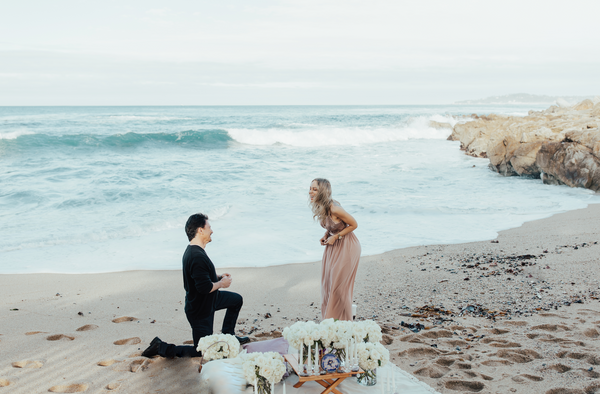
x: 323, y: 240
x: 331, y: 240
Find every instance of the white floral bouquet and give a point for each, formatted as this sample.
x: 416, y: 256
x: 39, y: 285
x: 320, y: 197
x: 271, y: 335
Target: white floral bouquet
x: 372, y: 355
x: 302, y: 334
x: 367, y: 331
x: 332, y: 334
x: 263, y: 368
x: 218, y: 346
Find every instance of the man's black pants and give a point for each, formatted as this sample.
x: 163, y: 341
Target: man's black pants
x: 203, y: 326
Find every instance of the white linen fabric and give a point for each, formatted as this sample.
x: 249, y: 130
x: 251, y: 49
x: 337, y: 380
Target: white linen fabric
x: 226, y: 377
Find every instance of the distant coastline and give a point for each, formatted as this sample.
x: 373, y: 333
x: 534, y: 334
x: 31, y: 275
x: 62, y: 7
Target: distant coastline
x: 525, y: 98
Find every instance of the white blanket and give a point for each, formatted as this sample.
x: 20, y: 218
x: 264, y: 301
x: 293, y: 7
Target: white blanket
x: 225, y: 377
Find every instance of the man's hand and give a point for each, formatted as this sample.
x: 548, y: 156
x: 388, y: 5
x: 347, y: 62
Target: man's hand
x: 225, y: 281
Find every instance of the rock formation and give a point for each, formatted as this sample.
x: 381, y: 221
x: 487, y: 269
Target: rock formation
x: 560, y: 145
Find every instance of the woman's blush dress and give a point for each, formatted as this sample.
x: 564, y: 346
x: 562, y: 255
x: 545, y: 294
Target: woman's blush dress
x: 338, y: 271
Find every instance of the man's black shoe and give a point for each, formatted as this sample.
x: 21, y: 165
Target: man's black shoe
x: 242, y: 340
x: 152, y: 350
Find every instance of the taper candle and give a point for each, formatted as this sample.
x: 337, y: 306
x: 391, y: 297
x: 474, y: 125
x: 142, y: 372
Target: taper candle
x: 317, y: 358
x: 309, y: 363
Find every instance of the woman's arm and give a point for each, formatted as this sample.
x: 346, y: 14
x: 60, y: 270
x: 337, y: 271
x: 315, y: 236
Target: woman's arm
x: 341, y: 214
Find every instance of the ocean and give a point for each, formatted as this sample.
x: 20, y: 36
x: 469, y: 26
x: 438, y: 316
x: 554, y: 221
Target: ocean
x: 102, y: 189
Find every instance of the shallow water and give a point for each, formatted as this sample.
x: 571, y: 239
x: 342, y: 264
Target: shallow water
x: 97, y: 189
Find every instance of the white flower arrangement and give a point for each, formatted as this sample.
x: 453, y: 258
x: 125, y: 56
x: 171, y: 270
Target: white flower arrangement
x: 367, y: 331
x: 332, y: 334
x: 372, y: 355
x: 267, y: 366
x: 229, y: 349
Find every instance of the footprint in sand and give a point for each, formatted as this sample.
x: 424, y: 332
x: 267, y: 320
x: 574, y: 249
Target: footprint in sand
x: 464, y: 385
x: 418, y: 352
x: 457, y: 342
x: 4, y: 382
x: 124, y: 319
x: 27, y: 364
x: 113, y: 386
x: 573, y: 355
x: 140, y: 365
x: 413, y: 338
x: 518, y: 323
x: 496, y: 363
x: 432, y: 372
x: 71, y: 388
x: 107, y: 363
x: 594, y: 360
x: 445, y: 362
x: 87, y: 327
x: 592, y: 389
x: 437, y: 334
x: 560, y: 368
x: 590, y: 374
x: 128, y: 341
x: 551, y: 327
x: 498, y: 331
x: 58, y: 337
x: 35, y: 332
x: 518, y: 355
x: 564, y: 390
x: 504, y: 344
x: 591, y: 333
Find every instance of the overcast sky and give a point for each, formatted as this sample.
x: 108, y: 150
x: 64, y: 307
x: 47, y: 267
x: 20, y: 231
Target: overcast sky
x: 192, y: 52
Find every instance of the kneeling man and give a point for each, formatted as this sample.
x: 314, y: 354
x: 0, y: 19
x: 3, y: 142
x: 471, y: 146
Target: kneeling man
x: 203, y: 294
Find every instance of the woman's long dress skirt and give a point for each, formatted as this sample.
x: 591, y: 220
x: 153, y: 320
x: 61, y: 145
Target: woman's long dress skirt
x: 338, y: 271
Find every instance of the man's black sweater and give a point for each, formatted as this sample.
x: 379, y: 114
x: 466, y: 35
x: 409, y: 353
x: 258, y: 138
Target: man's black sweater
x: 198, y: 277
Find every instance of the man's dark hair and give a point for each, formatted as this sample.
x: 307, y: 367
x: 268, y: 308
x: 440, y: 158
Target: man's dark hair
x: 196, y: 221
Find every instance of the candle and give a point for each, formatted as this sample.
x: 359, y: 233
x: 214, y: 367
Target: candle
x: 309, y: 364
x: 273, y: 388
x: 316, y: 358
x: 283, y: 382
x: 301, y: 359
x: 255, y: 387
x: 346, y: 361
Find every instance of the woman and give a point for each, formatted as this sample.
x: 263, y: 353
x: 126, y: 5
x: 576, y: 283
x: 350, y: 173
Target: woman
x: 342, y: 252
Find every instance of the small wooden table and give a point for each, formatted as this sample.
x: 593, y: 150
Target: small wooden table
x: 330, y: 381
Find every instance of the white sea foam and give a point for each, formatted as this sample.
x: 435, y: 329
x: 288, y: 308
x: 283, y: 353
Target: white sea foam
x: 12, y: 135
x: 416, y: 128
x: 146, y: 117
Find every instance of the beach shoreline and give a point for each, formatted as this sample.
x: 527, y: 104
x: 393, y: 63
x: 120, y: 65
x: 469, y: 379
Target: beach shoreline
x: 533, y: 326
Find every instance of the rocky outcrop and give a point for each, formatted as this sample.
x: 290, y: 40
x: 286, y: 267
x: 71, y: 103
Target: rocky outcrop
x: 560, y: 145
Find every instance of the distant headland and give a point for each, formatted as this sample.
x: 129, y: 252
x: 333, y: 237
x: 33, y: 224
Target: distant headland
x: 525, y: 98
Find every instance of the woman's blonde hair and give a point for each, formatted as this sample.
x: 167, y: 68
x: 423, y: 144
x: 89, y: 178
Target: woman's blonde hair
x: 321, y: 204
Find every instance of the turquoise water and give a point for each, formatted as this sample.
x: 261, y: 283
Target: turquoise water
x: 97, y: 189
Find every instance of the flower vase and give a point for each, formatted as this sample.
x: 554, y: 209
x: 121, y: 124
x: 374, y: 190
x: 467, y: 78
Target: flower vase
x: 263, y: 386
x: 316, y: 363
x: 368, y: 378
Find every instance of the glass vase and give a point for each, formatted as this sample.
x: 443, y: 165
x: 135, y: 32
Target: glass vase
x: 368, y: 378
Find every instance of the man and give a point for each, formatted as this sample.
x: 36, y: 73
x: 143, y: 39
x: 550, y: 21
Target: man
x: 203, y: 294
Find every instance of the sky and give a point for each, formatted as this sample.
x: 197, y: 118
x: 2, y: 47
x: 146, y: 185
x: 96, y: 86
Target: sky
x: 325, y: 52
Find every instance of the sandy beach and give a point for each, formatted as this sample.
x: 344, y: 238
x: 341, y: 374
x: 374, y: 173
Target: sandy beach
x: 520, y: 313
